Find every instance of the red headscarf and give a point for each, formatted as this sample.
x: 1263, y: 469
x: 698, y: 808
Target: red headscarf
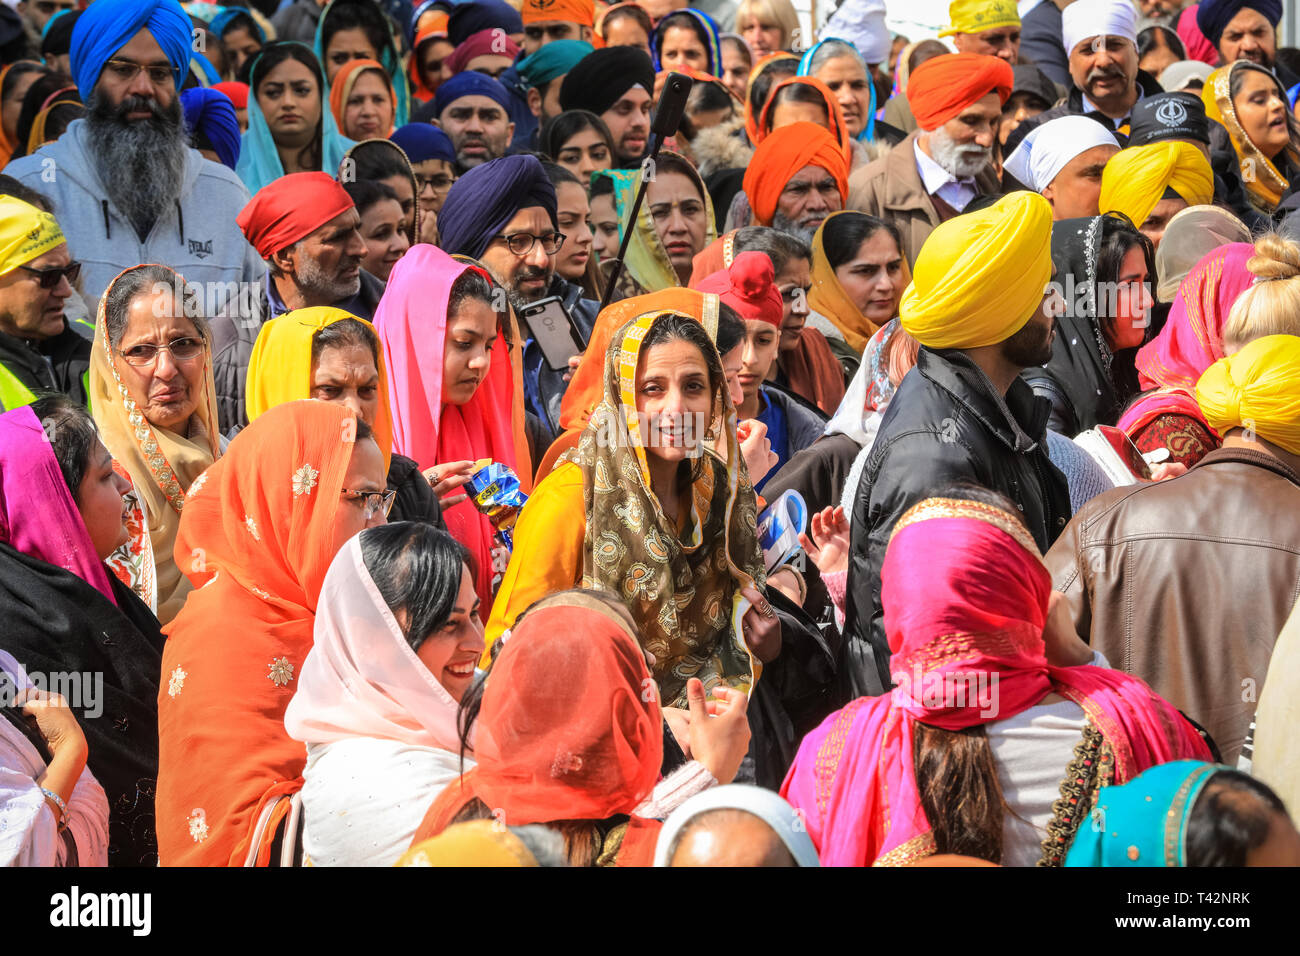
x: 570, y: 727
x: 833, y: 111
x: 965, y: 597
x: 493, y: 42
x: 290, y: 208
x: 783, y: 153
x: 941, y: 88
x: 748, y: 285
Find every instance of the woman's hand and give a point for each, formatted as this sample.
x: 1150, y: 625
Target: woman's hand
x: 679, y: 722
x: 1064, y: 647
x: 1168, y: 469
x: 762, y: 630
x: 446, y: 478
x: 756, y: 449
x: 828, y: 544
x: 719, y: 729
x: 56, y: 723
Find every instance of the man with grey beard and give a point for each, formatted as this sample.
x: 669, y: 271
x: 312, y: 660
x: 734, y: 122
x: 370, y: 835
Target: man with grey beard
x: 125, y: 185
x: 936, y: 172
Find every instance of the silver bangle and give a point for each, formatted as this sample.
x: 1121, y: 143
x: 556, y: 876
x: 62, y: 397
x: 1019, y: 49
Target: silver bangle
x: 58, y: 800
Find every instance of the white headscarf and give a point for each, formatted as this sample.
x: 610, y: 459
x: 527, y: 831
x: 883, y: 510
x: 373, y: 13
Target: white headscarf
x: 1093, y: 18
x: 1045, y: 151
x: 784, y: 819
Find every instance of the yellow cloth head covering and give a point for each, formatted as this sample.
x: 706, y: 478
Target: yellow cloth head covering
x: 25, y: 233
x: 1258, y: 388
x: 828, y: 297
x: 980, y: 276
x: 976, y: 16
x: 279, y: 370
x: 1135, y: 178
x: 1264, y: 183
x: 474, y: 843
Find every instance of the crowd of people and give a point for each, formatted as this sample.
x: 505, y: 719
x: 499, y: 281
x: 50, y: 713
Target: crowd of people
x: 405, y: 438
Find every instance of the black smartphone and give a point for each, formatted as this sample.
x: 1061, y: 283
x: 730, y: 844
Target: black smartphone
x: 551, y: 325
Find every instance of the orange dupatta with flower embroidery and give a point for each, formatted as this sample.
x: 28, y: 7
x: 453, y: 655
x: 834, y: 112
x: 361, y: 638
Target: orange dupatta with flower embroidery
x: 256, y: 538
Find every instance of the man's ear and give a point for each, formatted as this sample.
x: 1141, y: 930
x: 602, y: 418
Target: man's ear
x: 1049, y: 194
x: 284, y: 260
x: 510, y: 131
x: 584, y: 32
x: 534, y: 102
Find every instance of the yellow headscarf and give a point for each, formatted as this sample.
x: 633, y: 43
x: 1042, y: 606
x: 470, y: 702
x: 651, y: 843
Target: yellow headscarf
x: 1135, y: 178
x: 279, y: 370
x: 979, y: 277
x: 976, y: 16
x: 1258, y: 389
x: 1264, y: 184
x: 25, y: 233
x: 474, y: 843
x: 829, y: 299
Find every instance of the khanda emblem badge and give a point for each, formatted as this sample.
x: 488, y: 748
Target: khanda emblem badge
x: 544, y: 4
x: 1171, y: 112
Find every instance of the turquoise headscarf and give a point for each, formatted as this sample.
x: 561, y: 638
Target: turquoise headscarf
x: 388, y: 56
x: 259, y: 160
x: 1143, y: 822
x: 805, y: 69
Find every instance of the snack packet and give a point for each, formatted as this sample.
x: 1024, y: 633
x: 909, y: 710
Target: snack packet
x: 494, y: 490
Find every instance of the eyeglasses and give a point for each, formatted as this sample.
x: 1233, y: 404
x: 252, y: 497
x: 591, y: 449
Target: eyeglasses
x: 49, y: 278
x: 128, y: 70
x: 521, y: 243
x: 375, y: 501
x: 182, y: 350
x: 439, y: 182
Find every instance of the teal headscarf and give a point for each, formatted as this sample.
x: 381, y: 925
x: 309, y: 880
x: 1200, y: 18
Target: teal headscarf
x: 1143, y: 822
x: 805, y: 69
x: 389, y: 56
x: 259, y: 160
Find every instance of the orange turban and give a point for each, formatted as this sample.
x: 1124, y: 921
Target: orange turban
x: 941, y: 88
x: 582, y: 12
x: 783, y: 153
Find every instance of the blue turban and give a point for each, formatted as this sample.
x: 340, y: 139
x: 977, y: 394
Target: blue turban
x: 210, y: 114
x: 468, y: 83
x: 106, y: 26
x: 421, y: 141
x: 554, y: 59
x: 1212, y: 16
x: 469, y: 18
x: 486, y: 198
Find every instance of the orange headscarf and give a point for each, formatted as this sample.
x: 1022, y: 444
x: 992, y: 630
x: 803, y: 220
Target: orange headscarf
x: 783, y: 153
x: 256, y: 537
x: 587, y: 387
x: 751, y: 120
x: 346, y: 78
x: 941, y: 88
x: 582, y: 12
x: 435, y: 30
x: 833, y: 111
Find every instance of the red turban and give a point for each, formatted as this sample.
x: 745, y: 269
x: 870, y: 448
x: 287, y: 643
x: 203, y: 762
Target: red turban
x: 290, y: 208
x: 783, y: 153
x: 492, y: 42
x: 238, y: 93
x: 573, y: 11
x: 941, y: 88
x: 749, y: 287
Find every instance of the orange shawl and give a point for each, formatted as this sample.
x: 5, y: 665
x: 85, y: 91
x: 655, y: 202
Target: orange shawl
x: 256, y: 538
x: 751, y: 121
x: 345, y: 79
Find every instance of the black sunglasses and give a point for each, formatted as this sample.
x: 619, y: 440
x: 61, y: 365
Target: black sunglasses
x: 49, y: 278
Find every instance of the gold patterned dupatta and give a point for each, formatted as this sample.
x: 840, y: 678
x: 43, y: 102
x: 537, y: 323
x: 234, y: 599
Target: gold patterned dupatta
x: 161, y: 463
x: 683, y: 591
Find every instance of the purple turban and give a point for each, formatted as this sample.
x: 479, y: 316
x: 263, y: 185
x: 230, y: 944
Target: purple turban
x: 487, y: 197
x: 1214, y: 15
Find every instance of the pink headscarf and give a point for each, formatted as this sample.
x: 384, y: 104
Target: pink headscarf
x: 1197, y: 44
x: 965, y: 596
x: 411, y: 320
x: 361, y: 678
x: 1192, y: 338
x: 38, y: 515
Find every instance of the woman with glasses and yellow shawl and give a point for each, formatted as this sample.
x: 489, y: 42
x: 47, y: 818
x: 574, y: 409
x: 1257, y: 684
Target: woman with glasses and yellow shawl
x: 152, y: 395
x: 1263, y: 148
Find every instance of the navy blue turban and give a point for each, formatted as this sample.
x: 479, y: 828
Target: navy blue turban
x: 106, y: 26
x: 486, y: 198
x: 422, y: 141
x: 210, y: 114
x: 468, y: 83
x: 466, y: 19
x: 1213, y: 15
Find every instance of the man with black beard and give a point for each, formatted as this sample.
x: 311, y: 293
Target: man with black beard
x: 945, y: 164
x: 982, y: 307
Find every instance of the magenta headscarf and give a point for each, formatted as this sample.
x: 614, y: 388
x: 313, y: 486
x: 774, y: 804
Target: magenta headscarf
x: 1192, y: 338
x: 1196, y: 43
x: 38, y: 515
x: 965, y: 596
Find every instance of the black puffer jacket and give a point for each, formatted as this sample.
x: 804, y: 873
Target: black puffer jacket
x: 945, y: 424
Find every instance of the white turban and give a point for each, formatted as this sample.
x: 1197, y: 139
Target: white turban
x: 1093, y: 18
x: 862, y: 23
x: 1045, y: 151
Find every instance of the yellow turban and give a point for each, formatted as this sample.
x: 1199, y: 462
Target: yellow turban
x: 1135, y: 178
x: 474, y: 843
x: 980, y: 276
x: 976, y: 16
x: 279, y: 369
x: 25, y: 233
x: 1258, y: 388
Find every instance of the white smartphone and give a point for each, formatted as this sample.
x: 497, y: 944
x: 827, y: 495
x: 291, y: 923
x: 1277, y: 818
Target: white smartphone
x: 550, y: 324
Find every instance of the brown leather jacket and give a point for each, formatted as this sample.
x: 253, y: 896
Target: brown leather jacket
x: 1186, y: 583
